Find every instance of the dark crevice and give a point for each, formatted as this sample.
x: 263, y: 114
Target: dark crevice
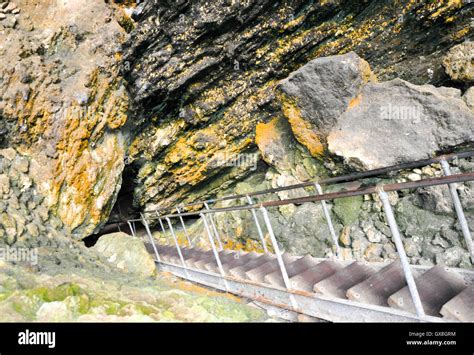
x: 122, y: 211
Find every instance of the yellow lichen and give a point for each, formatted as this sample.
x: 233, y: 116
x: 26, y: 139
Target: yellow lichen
x: 302, y: 130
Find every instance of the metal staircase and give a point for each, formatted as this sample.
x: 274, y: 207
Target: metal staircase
x: 329, y: 289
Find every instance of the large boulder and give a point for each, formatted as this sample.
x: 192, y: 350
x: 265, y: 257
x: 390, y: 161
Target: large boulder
x: 396, y: 121
x: 126, y: 253
x: 314, y: 96
x: 459, y: 62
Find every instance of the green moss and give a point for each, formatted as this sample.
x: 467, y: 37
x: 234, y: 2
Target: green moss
x: 226, y: 310
x: 55, y: 294
x: 348, y: 209
x: 83, y: 304
x: 4, y: 296
x: 314, y: 168
x: 25, y: 305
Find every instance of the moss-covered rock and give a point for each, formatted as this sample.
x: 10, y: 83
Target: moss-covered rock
x: 348, y: 209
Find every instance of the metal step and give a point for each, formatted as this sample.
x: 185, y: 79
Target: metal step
x: 461, y: 307
x: 436, y: 287
x: 198, y: 257
x: 441, y: 290
x: 239, y: 271
x: 211, y: 259
x: 293, y: 268
x: 241, y: 260
x: 380, y: 286
x: 258, y: 274
x: 230, y: 257
x: 307, y: 279
x: 338, y: 284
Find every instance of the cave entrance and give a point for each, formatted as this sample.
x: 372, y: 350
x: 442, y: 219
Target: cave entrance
x: 122, y: 211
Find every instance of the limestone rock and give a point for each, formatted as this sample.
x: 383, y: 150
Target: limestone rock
x: 468, y: 97
x: 275, y: 143
x: 459, y: 62
x: 53, y: 312
x: 403, y: 121
x: 62, y: 55
x: 316, y: 95
x: 127, y: 253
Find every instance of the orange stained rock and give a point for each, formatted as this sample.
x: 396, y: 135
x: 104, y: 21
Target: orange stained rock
x: 302, y: 129
x: 354, y: 102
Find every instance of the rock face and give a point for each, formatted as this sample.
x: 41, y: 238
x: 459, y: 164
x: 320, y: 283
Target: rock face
x: 127, y: 253
x: 405, y: 122
x: 25, y: 218
x: 459, y: 62
x: 195, y: 99
x: 62, y: 103
x: 203, y: 74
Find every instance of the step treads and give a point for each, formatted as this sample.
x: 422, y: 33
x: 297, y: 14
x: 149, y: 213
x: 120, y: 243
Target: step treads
x: 210, y: 258
x: 436, y: 287
x: 258, y: 274
x: 380, y: 286
x: 308, y: 278
x: 240, y: 260
x: 239, y: 271
x: 212, y: 266
x: 461, y: 307
x: 293, y: 268
x: 337, y: 285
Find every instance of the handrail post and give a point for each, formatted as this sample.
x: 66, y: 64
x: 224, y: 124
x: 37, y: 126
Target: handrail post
x: 415, y: 296
x: 214, y: 228
x: 147, y: 228
x: 131, y: 228
x: 257, y: 223
x: 281, y: 263
x: 459, y: 210
x: 177, y: 247
x: 162, y: 226
x: 184, y: 227
x: 214, y: 250
x: 329, y: 221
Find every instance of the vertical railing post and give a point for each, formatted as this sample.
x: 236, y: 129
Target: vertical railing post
x: 162, y: 226
x: 131, y: 228
x: 214, y: 249
x: 257, y: 223
x: 415, y: 296
x: 150, y: 236
x: 459, y: 210
x: 281, y: 263
x: 329, y: 221
x: 184, y: 226
x: 183, y: 262
x: 214, y: 228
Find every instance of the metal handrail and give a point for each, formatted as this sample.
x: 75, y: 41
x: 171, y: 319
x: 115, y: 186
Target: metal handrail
x: 333, y: 180
x: 444, y: 180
